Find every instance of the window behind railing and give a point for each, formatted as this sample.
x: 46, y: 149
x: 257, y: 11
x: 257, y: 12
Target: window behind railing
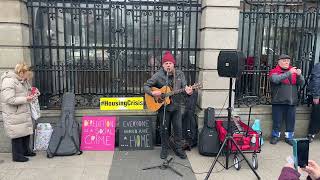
x: 98, y: 48
x: 268, y: 29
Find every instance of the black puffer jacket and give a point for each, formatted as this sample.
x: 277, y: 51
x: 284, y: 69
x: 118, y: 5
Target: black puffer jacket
x: 314, y: 85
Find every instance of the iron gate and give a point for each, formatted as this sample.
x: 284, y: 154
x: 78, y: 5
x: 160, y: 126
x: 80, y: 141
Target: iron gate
x: 269, y: 28
x: 98, y: 48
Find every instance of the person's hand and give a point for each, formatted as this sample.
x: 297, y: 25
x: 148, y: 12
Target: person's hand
x: 313, y: 170
x: 298, y: 72
x: 29, y: 98
x: 188, y: 90
x: 293, y: 70
x: 315, y: 100
x: 156, y: 93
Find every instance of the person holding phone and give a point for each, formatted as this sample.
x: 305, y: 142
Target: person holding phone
x: 288, y: 172
x: 15, y: 100
x: 284, y: 80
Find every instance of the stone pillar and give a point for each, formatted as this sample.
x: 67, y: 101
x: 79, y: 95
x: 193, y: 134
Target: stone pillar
x: 14, y: 34
x: 218, y: 31
x: 14, y: 45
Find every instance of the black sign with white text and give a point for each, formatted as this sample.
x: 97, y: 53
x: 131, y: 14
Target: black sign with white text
x: 135, y: 133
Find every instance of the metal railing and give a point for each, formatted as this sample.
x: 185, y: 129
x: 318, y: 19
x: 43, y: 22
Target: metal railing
x: 270, y: 28
x: 108, y: 47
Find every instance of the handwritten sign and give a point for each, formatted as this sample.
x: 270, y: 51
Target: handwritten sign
x: 135, y: 133
x: 98, y: 133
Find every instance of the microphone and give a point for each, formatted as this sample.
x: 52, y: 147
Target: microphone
x: 168, y: 70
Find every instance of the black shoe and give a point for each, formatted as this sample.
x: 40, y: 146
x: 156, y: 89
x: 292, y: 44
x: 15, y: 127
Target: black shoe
x: 289, y: 141
x: 30, y: 154
x: 20, y: 159
x: 179, y: 152
x: 274, y: 140
x: 164, y: 153
x: 310, y: 137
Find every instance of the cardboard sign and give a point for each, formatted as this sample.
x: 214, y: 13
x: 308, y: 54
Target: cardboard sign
x: 122, y: 103
x: 98, y: 133
x: 135, y: 133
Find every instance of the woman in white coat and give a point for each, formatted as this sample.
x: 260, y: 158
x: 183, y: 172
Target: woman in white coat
x: 15, y: 101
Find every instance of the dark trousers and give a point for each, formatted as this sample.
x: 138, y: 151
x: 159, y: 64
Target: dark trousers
x: 20, y: 146
x: 280, y: 112
x: 173, y: 117
x: 314, y: 124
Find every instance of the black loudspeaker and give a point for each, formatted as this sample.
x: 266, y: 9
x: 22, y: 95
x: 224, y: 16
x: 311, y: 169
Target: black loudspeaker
x: 231, y: 63
x: 209, y: 120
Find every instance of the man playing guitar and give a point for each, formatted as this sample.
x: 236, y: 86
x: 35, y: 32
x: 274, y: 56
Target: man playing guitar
x: 174, y: 79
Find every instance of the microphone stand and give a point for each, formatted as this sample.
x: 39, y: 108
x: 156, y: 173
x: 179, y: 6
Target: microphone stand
x: 166, y: 163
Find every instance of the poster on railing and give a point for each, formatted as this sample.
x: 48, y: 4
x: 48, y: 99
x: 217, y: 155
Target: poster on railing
x: 98, y: 133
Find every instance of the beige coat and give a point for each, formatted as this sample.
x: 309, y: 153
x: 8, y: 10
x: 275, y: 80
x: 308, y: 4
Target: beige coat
x: 15, y: 108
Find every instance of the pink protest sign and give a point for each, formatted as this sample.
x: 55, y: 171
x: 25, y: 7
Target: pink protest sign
x: 98, y: 133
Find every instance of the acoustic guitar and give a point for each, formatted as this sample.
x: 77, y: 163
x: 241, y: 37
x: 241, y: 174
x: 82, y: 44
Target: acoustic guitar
x: 155, y: 103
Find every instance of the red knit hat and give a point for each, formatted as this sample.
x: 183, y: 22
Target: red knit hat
x: 168, y: 57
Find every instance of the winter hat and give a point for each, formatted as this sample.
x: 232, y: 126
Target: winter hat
x: 284, y: 56
x: 168, y: 57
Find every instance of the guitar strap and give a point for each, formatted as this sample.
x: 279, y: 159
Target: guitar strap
x: 174, y: 86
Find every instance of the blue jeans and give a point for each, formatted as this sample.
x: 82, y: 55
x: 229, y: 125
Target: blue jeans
x: 280, y: 112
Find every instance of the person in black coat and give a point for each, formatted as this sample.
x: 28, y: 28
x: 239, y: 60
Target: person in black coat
x: 314, y: 86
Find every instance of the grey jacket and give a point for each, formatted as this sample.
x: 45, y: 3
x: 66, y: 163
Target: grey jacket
x: 15, y: 108
x: 282, y: 89
x: 159, y: 80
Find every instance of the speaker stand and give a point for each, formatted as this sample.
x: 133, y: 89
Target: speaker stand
x: 228, y: 141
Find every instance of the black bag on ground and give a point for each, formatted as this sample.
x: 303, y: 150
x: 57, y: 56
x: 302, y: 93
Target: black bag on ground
x: 190, y: 123
x: 209, y: 143
x: 65, y: 139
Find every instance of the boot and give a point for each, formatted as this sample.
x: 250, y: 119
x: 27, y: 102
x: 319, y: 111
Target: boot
x: 30, y: 154
x: 164, y: 152
x: 177, y: 148
x: 179, y: 152
x: 19, y: 158
x: 289, y: 141
x: 274, y: 140
x: 17, y: 150
x: 310, y: 137
x: 289, y: 138
x: 26, y: 147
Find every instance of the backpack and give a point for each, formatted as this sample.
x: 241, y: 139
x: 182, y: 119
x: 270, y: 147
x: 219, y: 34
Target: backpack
x: 65, y: 139
x: 190, y: 123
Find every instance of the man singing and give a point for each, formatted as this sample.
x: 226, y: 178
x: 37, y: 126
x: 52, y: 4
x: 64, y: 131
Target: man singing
x: 175, y: 79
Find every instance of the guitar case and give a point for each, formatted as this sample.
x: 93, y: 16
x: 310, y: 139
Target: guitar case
x: 209, y: 143
x: 65, y: 139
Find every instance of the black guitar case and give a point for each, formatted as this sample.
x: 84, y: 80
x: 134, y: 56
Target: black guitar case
x: 209, y: 143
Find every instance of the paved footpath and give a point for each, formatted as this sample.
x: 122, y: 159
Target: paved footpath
x: 96, y: 165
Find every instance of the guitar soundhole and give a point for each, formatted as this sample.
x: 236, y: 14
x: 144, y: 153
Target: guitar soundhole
x: 158, y: 100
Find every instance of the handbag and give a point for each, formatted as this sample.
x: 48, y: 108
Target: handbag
x: 34, y: 104
x: 42, y: 136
